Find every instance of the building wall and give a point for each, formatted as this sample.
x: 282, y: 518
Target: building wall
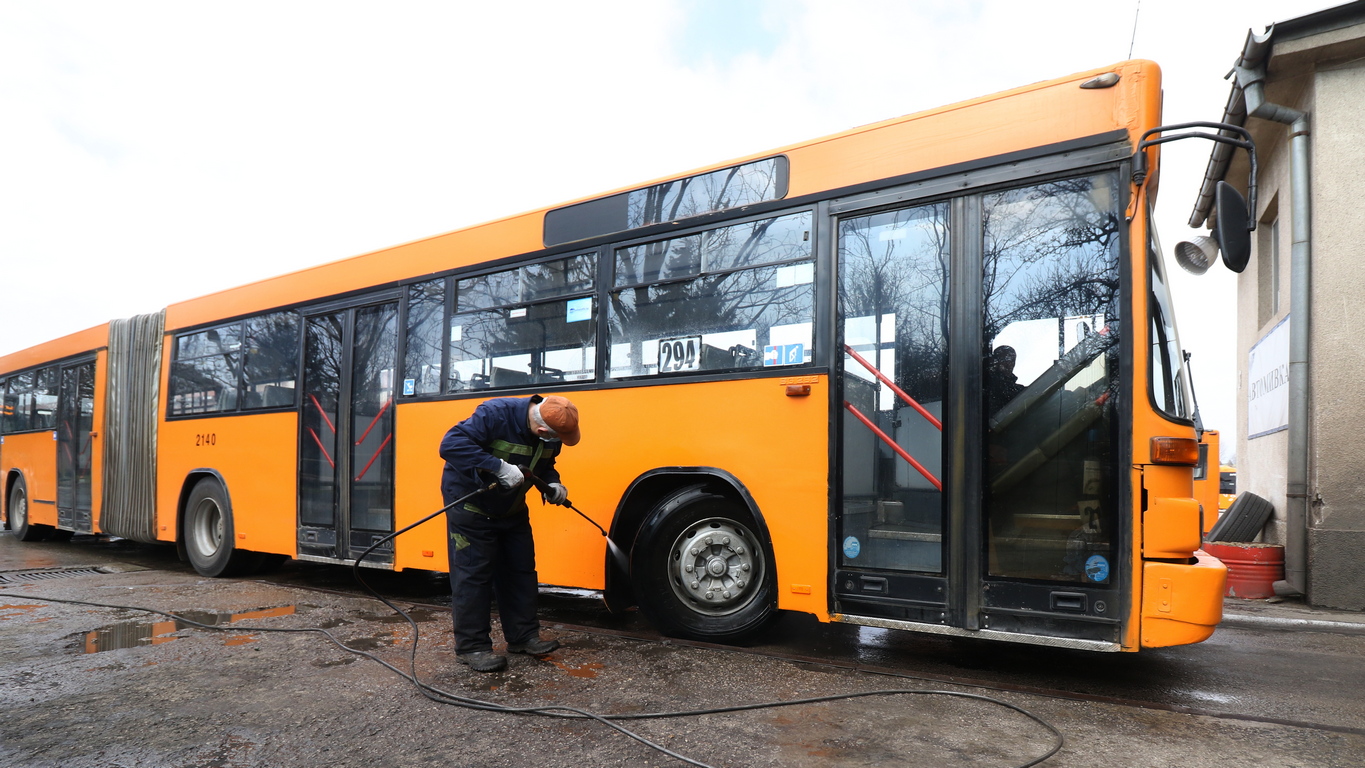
x: 1330, y: 94
x: 1337, y: 355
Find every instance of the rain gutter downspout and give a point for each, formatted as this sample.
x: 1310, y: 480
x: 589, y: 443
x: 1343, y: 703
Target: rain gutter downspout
x: 1250, y: 72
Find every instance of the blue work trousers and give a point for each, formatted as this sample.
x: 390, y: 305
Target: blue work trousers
x: 491, y: 557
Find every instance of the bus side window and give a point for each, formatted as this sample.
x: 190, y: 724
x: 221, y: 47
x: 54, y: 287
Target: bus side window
x: 271, y: 360
x: 205, y: 371
x: 735, y: 297
x: 422, y: 353
x: 18, y: 402
x: 536, y: 324
x: 45, y: 400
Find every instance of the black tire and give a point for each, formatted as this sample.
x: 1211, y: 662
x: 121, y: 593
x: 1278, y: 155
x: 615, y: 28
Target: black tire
x: 1243, y: 520
x: 209, y: 533
x: 19, y: 522
x: 701, y: 571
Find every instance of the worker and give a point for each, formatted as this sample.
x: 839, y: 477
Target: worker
x: 492, y: 552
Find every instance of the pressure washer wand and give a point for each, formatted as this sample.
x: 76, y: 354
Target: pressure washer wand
x: 617, y: 554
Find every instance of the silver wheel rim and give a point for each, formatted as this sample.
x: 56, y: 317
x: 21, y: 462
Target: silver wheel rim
x: 715, y: 566
x: 207, y: 528
x: 18, y: 515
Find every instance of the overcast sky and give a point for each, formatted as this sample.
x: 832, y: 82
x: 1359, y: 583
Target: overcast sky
x: 152, y: 152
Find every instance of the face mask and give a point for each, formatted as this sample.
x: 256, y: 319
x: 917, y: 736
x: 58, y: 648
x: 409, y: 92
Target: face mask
x: 549, y: 439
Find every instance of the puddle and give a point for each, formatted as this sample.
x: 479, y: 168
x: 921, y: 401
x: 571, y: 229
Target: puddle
x: 337, y: 663
x: 1217, y: 698
x: 587, y: 670
x: 373, y: 643
x: 136, y: 634
x: 418, y: 615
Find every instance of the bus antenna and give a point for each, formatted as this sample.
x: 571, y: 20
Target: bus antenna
x: 1136, y: 10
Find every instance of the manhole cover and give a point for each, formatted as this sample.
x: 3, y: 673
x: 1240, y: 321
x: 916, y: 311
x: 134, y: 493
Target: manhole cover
x: 45, y: 574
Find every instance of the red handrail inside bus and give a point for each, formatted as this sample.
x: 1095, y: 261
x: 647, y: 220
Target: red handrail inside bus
x: 377, y: 451
x: 893, y: 446
x: 883, y: 378
x: 325, y: 455
x: 322, y: 411
x: 374, y: 421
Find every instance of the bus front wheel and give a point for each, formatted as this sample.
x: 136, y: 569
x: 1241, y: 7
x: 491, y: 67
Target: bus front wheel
x: 209, y: 533
x: 700, y: 569
x: 24, y: 530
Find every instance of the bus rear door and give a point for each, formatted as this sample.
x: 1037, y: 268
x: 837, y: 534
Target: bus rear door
x: 346, y: 447
x: 75, y: 423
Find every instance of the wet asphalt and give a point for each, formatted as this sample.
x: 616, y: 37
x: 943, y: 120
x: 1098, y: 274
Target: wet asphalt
x: 90, y: 686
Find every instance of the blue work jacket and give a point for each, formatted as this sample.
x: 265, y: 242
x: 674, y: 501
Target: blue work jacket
x: 496, y: 432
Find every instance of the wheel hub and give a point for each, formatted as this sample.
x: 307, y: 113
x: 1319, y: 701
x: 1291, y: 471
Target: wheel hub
x: 716, y: 566
x: 208, y: 528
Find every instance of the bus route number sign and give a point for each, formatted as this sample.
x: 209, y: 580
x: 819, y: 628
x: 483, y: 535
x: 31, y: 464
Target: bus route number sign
x: 680, y: 354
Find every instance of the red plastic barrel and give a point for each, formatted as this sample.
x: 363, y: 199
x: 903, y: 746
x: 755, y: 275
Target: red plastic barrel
x: 1253, y: 567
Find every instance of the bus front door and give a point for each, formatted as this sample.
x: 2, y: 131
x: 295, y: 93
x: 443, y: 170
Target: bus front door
x: 346, y: 440
x: 75, y: 414
x: 978, y: 469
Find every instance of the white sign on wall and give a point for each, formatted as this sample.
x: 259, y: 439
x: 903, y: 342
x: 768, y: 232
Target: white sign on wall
x: 1268, y: 383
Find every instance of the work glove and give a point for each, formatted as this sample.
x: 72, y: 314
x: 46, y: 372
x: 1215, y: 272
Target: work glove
x: 509, y: 476
x: 556, y: 494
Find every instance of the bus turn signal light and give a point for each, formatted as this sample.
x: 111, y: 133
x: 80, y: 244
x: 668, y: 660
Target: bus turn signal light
x: 1175, y: 450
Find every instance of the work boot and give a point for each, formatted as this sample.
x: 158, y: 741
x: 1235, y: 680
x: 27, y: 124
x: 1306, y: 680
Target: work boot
x: 483, y: 661
x: 536, y: 647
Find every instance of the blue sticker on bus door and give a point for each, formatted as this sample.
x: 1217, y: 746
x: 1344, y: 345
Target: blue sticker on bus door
x: 852, y: 548
x: 1097, y: 568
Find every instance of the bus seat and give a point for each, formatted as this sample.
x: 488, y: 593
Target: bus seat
x: 506, y: 377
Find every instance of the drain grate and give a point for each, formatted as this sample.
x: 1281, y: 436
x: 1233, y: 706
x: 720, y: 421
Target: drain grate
x: 46, y: 574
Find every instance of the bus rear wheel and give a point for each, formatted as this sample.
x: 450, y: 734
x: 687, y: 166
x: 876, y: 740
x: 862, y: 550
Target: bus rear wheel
x: 24, y: 529
x: 701, y: 571
x: 208, y: 532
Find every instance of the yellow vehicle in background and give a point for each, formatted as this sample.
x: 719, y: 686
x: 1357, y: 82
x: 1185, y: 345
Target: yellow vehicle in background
x: 1227, y: 486
x: 1208, y: 485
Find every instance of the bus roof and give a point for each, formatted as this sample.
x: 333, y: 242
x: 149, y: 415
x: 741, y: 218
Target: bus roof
x: 88, y: 340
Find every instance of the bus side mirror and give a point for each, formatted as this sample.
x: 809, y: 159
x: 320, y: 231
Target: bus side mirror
x: 1231, y: 236
x: 1233, y: 214
x: 1232, y: 231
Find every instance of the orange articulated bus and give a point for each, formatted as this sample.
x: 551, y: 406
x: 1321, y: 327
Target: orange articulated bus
x: 920, y: 375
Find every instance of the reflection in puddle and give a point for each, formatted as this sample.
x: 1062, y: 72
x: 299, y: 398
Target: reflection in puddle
x: 136, y: 634
x: 873, y: 635
x: 1217, y: 698
x: 10, y: 611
